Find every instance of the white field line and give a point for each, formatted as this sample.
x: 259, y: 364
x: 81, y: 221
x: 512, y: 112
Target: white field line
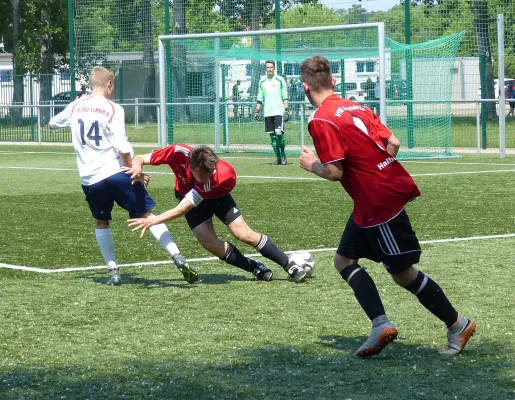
x: 464, y: 172
x: 35, y: 152
x: 73, y: 154
x: 289, y: 178
x: 75, y: 269
x: 453, y: 163
x: 265, y: 157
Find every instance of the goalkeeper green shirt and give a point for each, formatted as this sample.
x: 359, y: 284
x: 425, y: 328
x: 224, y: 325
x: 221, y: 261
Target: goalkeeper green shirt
x: 272, y: 92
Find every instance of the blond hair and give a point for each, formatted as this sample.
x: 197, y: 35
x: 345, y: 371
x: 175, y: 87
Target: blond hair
x: 100, y: 76
x: 316, y: 72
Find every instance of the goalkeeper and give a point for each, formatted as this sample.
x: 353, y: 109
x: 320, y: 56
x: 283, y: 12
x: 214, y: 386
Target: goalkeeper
x: 274, y: 93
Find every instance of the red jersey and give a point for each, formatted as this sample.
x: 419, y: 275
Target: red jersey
x: 177, y: 157
x: 377, y: 183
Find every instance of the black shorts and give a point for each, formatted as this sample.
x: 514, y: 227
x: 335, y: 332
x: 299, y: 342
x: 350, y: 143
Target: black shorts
x: 223, y: 207
x: 273, y: 124
x: 394, y: 243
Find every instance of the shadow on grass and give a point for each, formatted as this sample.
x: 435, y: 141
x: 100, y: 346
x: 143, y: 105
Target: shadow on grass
x: 351, y: 344
x: 176, y: 280
x: 276, y: 372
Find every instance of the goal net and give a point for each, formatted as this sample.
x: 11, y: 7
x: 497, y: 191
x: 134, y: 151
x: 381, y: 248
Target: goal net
x: 419, y: 93
x: 208, y: 85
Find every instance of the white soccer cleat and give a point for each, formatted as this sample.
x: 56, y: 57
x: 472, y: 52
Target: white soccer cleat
x: 382, y: 334
x: 115, y: 277
x: 305, y: 260
x: 458, y: 335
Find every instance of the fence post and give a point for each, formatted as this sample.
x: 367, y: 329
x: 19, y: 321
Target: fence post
x: 161, y: 141
x: 39, y: 123
x: 31, y: 110
x: 216, y: 108
x: 136, y: 114
x: 301, y: 126
x: 478, y: 127
x: 482, y: 77
x: 502, y: 97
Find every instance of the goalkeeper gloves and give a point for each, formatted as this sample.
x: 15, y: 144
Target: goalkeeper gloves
x: 257, y: 115
x: 286, y: 115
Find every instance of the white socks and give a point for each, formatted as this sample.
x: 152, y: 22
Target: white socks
x: 165, y: 239
x: 106, y: 244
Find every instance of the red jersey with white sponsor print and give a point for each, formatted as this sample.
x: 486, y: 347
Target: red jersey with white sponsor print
x: 343, y: 130
x: 177, y: 157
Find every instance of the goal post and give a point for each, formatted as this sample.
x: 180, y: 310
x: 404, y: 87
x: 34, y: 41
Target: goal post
x: 208, y: 85
x: 243, y: 48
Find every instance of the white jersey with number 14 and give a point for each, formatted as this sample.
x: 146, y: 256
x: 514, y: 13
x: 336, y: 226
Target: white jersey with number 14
x: 98, y: 136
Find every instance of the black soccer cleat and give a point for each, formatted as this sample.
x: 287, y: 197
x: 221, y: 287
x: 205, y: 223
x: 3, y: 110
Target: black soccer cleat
x: 190, y: 274
x: 295, y: 272
x: 262, y: 273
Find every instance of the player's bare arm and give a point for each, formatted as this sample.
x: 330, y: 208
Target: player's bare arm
x: 136, y: 166
x: 331, y: 171
x: 393, y: 145
x: 126, y: 159
x: 142, y: 224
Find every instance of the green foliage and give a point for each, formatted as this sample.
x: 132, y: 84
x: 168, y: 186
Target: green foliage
x: 201, y: 17
x: 39, y: 18
x: 240, y: 12
x: 308, y: 15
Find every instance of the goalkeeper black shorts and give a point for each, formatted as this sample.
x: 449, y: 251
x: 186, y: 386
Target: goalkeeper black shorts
x: 274, y: 124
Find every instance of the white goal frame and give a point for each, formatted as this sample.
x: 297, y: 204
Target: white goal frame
x: 162, y: 73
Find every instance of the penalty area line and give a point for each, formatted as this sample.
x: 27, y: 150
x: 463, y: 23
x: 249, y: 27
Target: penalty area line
x: 148, y: 263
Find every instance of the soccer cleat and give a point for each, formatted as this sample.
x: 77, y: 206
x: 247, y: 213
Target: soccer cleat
x: 295, y: 272
x: 262, y: 273
x: 383, y: 333
x: 458, y: 335
x: 283, y: 161
x: 115, y: 278
x: 189, y: 273
x: 276, y: 162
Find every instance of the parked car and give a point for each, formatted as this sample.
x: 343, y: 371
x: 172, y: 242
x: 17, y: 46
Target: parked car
x: 353, y: 90
x: 396, y: 89
x: 496, y: 87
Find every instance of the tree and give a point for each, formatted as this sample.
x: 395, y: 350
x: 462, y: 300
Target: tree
x: 253, y: 14
x: 18, y: 94
x: 455, y: 11
x: 179, y: 69
x: 483, y: 44
x: 38, y: 32
x: 149, y: 89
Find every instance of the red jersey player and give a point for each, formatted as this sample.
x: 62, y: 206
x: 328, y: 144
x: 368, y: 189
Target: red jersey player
x: 356, y: 149
x: 203, y: 186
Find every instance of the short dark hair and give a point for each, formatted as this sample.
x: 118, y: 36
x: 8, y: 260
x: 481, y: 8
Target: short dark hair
x: 203, y: 158
x: 316, y: 72
x: 270, y: 62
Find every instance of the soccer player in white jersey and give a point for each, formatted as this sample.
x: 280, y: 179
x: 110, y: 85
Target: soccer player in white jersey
x: 102, y: 149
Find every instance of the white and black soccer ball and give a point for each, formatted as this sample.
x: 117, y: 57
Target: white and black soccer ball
x: 305, y: 260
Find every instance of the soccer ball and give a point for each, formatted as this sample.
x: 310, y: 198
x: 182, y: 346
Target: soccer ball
x: 305, y: 260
